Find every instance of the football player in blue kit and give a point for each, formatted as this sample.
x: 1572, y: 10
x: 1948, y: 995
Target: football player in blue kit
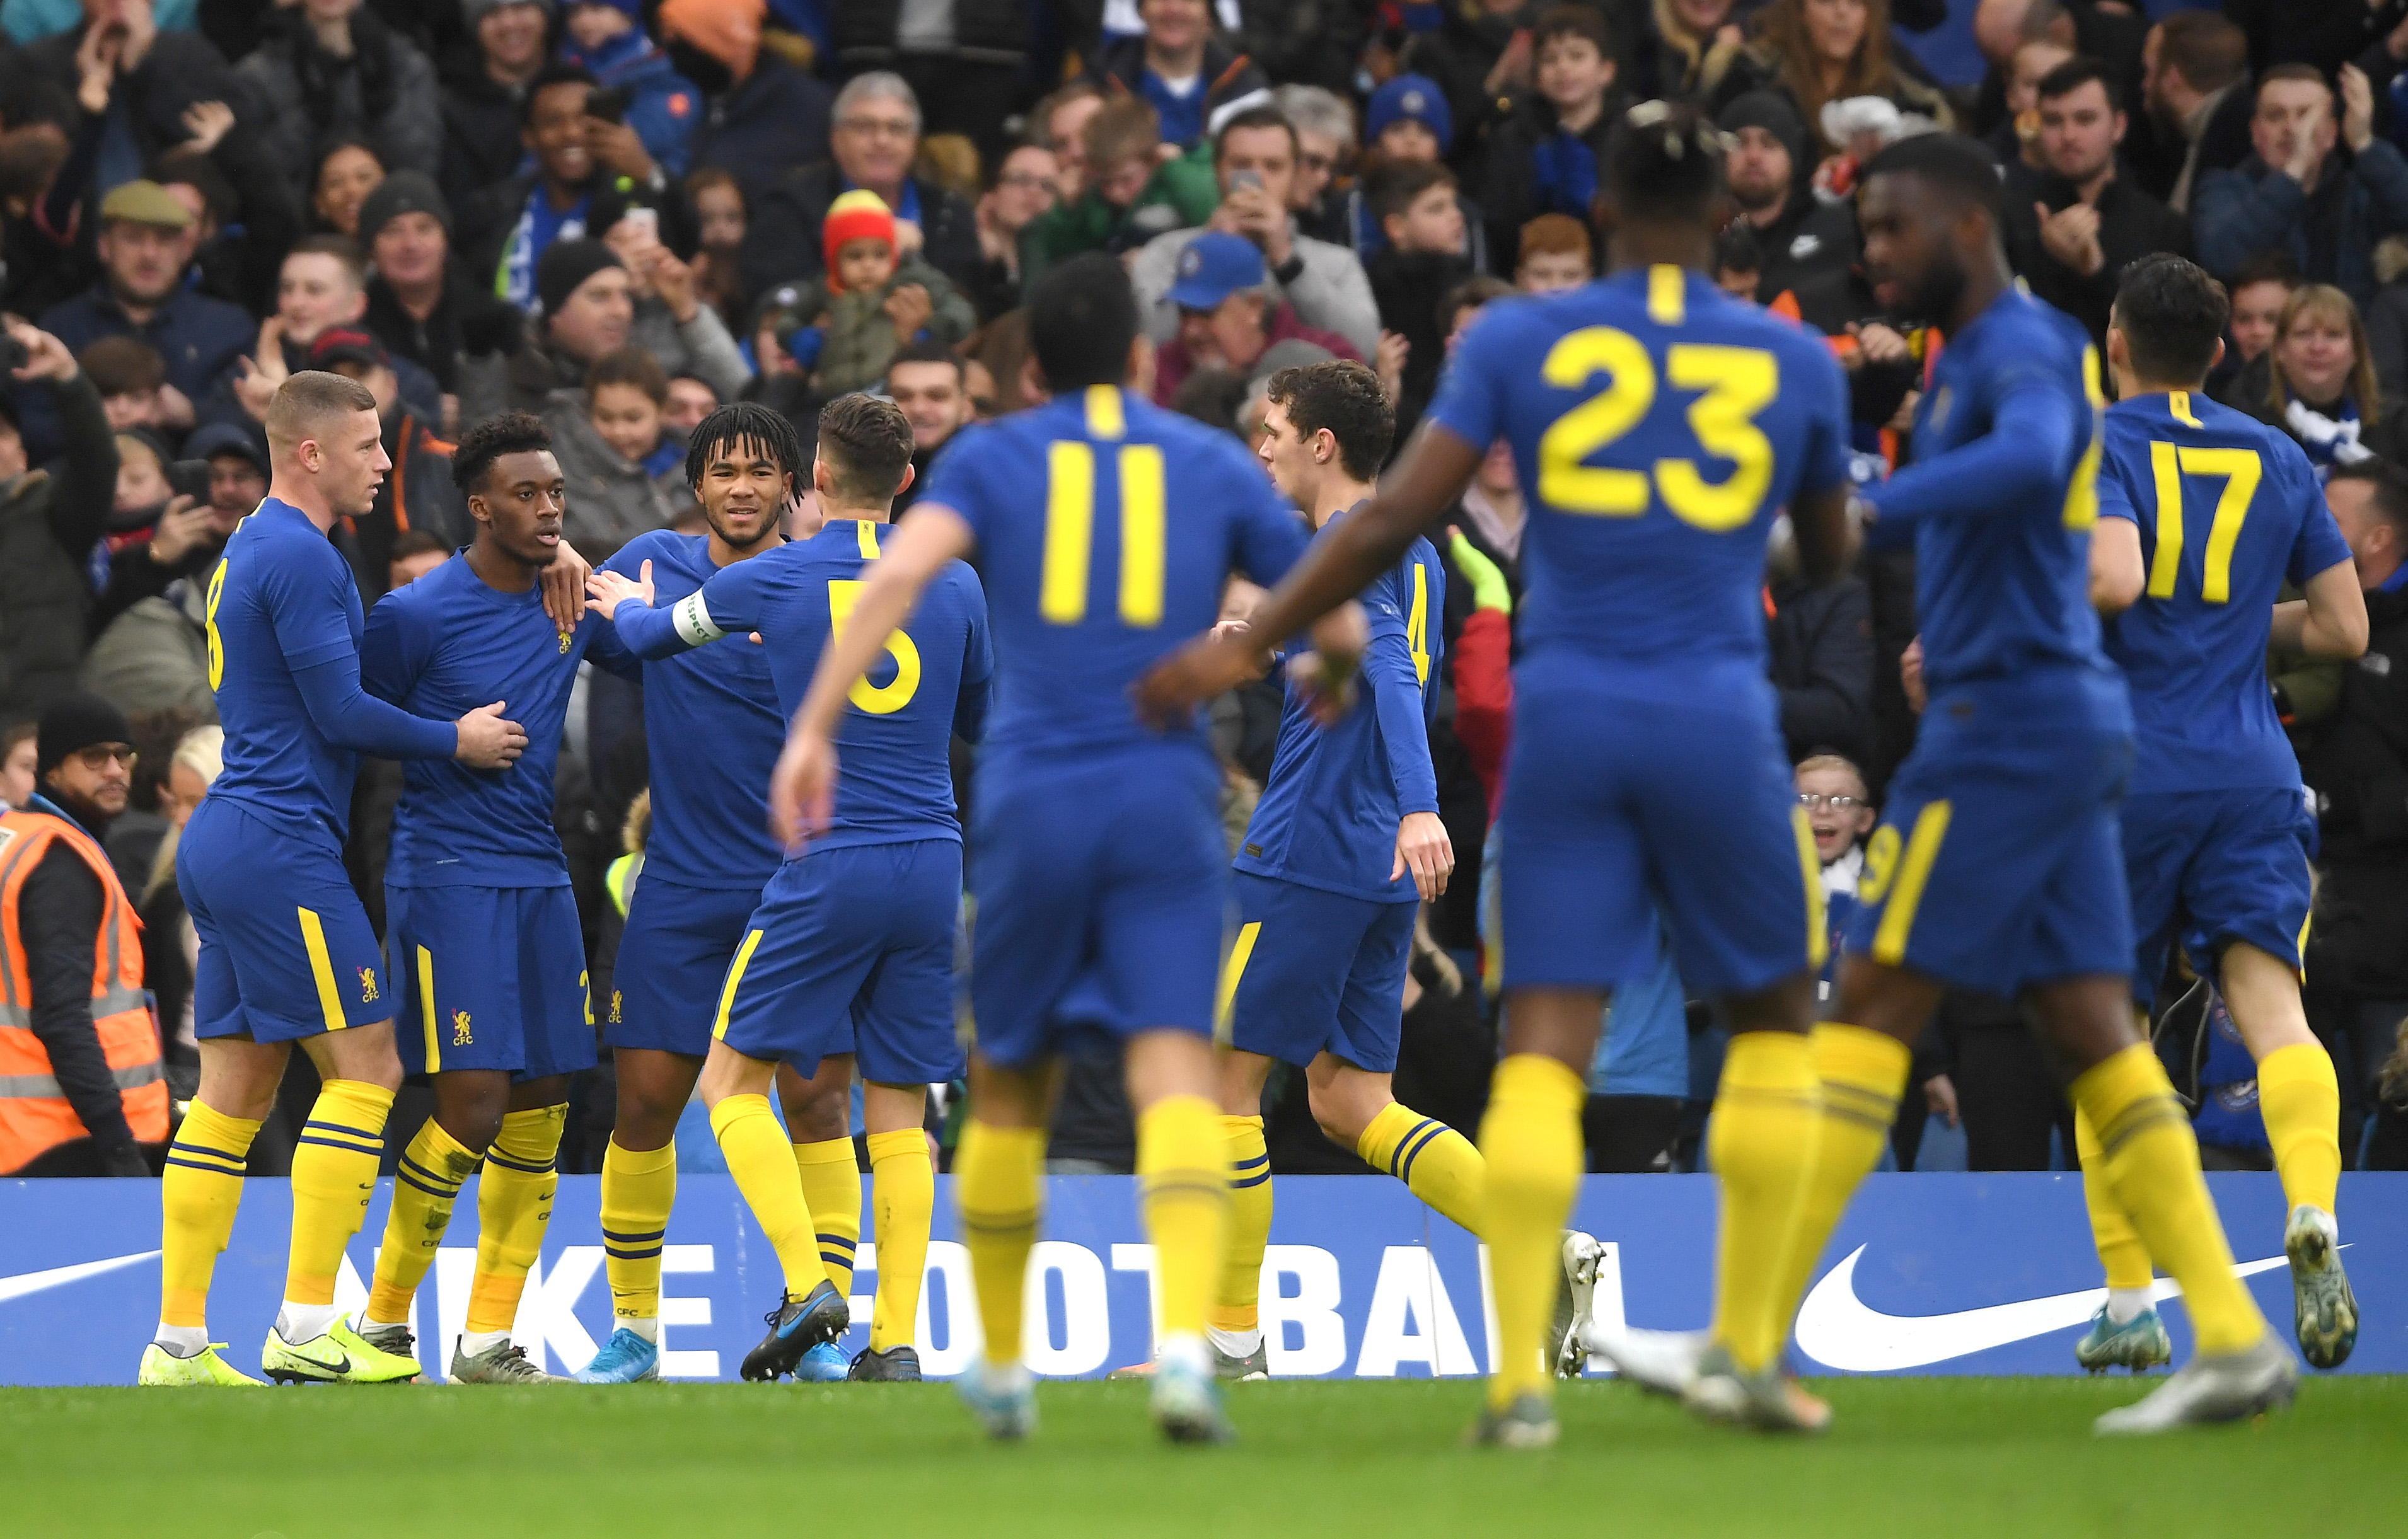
x: 286, y: 951
x: 1342, y: 850
x: 486, y: 952
x: 1660, y: 426
x: 712, y: 730
x: 1106, y: 529
x: 1997, y: 865
x: 851, y: 952
x: 2204, y: 514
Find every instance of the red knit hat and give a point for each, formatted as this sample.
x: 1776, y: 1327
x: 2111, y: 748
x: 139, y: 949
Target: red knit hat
x: 859, y: 215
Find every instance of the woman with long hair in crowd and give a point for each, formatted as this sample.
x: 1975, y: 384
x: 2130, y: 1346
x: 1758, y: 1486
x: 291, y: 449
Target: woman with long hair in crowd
x: 2316, y: 382
x: 1821, y: 51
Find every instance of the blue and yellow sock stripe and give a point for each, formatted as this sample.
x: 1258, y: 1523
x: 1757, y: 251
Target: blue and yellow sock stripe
x: 632, y: 1247
x: 426, y: 1180
x: 1250, y: 1173
x: 333, y: 1135
x: 202, y: 1157
x: 838, y: 1250
x: 1409, y: 1148
x: 498, y: 1158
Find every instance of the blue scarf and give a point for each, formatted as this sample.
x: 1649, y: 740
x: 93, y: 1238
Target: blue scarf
x: 2329, y: 439
x: 1567, y: 175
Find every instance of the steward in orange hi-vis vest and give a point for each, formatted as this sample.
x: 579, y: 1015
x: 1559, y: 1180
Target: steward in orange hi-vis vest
x: 35, y: 1114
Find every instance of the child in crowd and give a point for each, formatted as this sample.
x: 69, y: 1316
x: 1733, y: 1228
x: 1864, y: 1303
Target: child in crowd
x: 1420, y: 262
x: 1544, y: 160
x: 719, y: 219
x: 1555, y: 255
x: 625, y: 474
x: 657, y: 104
x: 1132, y: 192
x: 1738, y: 260
x: 132, y: 380
x: 1409, y: 121
x: 870, y: 303
x: 1839, y: 814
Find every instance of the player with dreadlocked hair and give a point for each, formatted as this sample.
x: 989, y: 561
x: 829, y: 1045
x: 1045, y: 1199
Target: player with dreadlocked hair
x: 1661, y: 426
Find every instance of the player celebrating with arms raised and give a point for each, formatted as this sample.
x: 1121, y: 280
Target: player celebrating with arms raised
x: 286, y: 951
x: 1661, y: 426
x: 851, y: 948
x: 1098, y: 865
x: 2205, y: 513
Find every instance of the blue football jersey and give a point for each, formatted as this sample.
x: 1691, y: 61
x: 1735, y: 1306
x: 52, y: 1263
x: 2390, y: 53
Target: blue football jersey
x: 1328, y: 814
x: 712, y: 732
x: 2003, y: 576
x: 441, y: 647
x: 1659, y: 426
x: 281, y: 599
x: 1107, y: 528
x: 2228, y: 510
x: 894, y: 777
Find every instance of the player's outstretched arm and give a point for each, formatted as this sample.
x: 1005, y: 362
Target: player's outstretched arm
x: 2329, y: 622
x: 802, y: 789
x: 1366, y: 542
x: 2002, y: 473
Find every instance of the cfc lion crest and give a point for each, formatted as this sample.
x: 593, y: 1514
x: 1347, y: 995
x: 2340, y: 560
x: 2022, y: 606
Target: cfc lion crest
x: 566, y: 637
x: 460, y: 1028
x: 614, y: 1006
x: 368, y: 986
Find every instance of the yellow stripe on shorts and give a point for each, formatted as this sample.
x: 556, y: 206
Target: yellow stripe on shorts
x: 1906, y: 892
x: 1231, y: 972
x: 322, y: 968
x: 426, y: 1009
x: 734, y: 977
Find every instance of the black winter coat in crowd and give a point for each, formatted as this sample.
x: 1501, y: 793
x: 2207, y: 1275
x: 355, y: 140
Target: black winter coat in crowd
x: 50, y: 516
x: 2131, y: 224
x: 2357, y: 764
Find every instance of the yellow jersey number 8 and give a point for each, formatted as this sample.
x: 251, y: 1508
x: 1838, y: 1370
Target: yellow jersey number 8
x: 878, y: 700
x: 217, y: 646
x: 1735, y: 384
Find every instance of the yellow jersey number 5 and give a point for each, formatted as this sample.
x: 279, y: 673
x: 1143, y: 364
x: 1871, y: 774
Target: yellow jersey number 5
x: 1734, y: 385
x: 895, y: 694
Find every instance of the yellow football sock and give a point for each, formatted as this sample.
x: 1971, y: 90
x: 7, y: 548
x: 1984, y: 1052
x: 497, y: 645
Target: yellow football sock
x: 763, y: 1163
x: 831, y: 1176
x: 638, y: 1188
x: 2151, y: 1159
x: 2301, y: 1099
x: 998, y: 1181
x: 424, y: 1186
x: 1767, y: 1118
x: 1238, y: 1304
x: 1861, y: 1075
x: 2120, y: 1250
x: 1182, y: 1167
x: 1531, y: 1143
x: 198, y: 1194
x: 334, y: 1175
x: 904, y: 1199
x: 1438, y: 1162
x: 513, y: 1209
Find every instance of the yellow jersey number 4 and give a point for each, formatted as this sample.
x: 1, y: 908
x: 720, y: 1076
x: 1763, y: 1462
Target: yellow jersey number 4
x: 1734, y: 385
x: 216, y: 644
x: 876, y: 699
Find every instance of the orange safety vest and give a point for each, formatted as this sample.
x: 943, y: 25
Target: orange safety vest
x: 34, y: 1115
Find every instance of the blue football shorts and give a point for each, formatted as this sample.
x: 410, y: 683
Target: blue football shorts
x: 286, y: 948
x: 2207, y: 868
x: 673, y: 957
x: 489, y: 978
x: 1313, y: 971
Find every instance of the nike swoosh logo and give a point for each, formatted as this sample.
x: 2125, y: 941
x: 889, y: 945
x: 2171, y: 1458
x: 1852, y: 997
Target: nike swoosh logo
x: 24, y: 1283
x: 1841, y: 1330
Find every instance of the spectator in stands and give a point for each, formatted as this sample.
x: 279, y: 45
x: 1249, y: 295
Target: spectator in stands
x: 2316, y: 382
x: 876, y: 137
x: 18, y: 751
x: 245, y: 217
x: 1544, y: 158
x: 564, y: 196
x: 416, y: 492
x: 2194, y: 71
x: 171, y: 945
x: 764, y: 116
x: 2016, y: 139
x: 1737, y: 263
x: 415, y: 553
x: 2295, y: 193
x: 155, y: 656
x: 2086, y: 224
x: 1255, y: 160
x: 717, y: 206
x: 1059, y: 122
x: 1132, y: 193
x: 1799, y: 235
x: 143, y: 248
x: 1481, y: 55
x: 1555, y: 255
x: 340, y: 181
x: 1419, y: 263
x: 965, y: 58
x: 672, y: 324
x: 332, y: 70
x: 1490, y: 517
x: 1684, y: 49
x: 846, y: 327
x: 1408, y: 121
x: 1325, y: 143
x: 485, y: 80
x: 1229, y: 314
x: 1821, y: 51
x: 588, y: 307
x: 1019, y: 193
x: 49, y: 519
x: 322, y: 287
x: 423, y: 304
x: 2387, y: 317
x: 2355, y: 765
x: 156, y: 75
x: 691, y: 399
x: 626, y: 474
x: 1193, y: 80
x: 2259, y: 290
x: 132, y: 380
x: 1820, y: 642
x: 929, y: 382
x: 661, y: 106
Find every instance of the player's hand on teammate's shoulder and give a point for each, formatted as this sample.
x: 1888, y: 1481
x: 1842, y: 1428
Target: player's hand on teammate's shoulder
x: 1424, y: 848
x: 563, y: 587
x: 487, y: 740
x: 802, y: 789
x: 604, y: 592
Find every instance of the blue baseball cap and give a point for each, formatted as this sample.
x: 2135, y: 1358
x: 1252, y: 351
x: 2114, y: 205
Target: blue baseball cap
x: 1213, y: 266
x: 1414, y: 97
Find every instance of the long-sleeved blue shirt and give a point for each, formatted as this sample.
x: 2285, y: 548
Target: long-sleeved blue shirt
x: 1328, y: 816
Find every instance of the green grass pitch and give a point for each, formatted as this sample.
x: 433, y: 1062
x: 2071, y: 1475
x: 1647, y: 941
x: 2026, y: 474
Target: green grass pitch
x: 1951, y: 1458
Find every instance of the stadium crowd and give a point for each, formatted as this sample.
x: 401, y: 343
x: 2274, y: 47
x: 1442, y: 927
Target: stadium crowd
x: 618, y: 215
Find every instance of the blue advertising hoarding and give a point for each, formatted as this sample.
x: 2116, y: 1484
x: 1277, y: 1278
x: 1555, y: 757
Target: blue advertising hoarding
x: 1929, y: 1274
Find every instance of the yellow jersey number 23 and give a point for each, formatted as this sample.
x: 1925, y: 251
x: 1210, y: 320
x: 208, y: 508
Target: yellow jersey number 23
x: 1734, y: 385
